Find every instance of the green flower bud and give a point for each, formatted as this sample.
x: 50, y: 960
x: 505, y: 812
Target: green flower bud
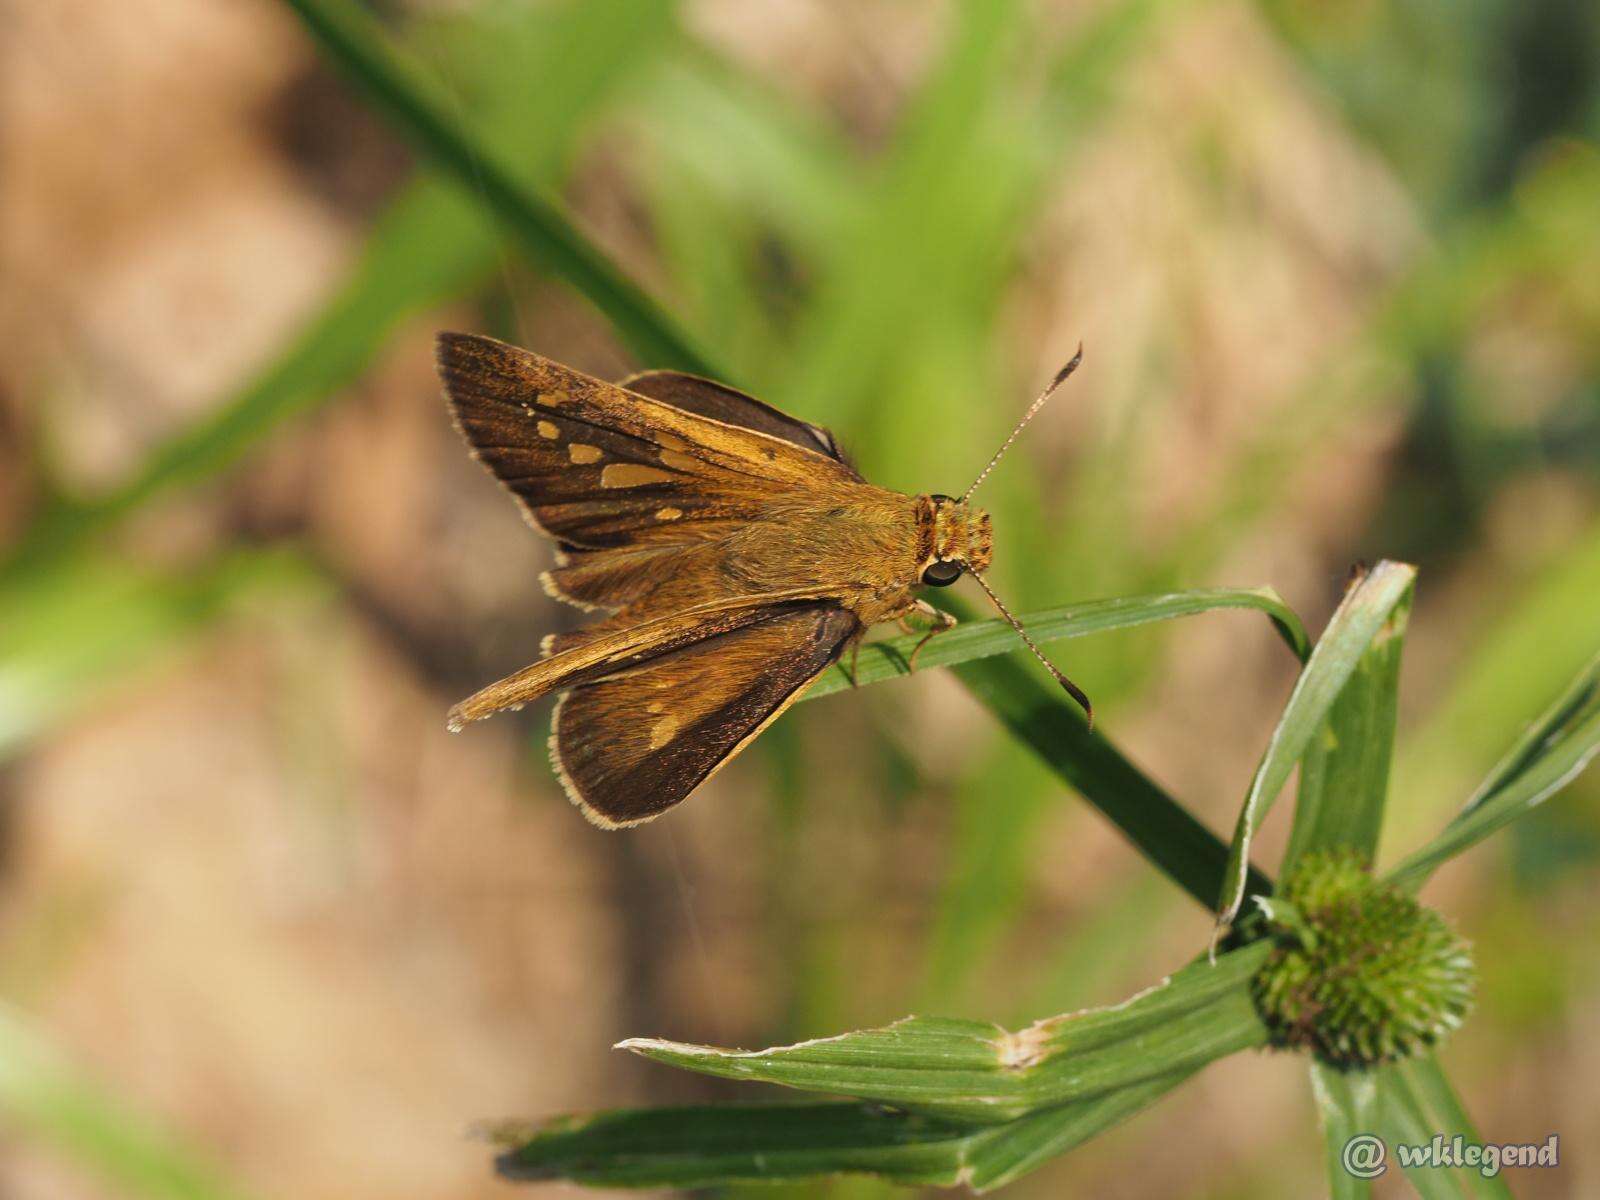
x: 1362, y: 973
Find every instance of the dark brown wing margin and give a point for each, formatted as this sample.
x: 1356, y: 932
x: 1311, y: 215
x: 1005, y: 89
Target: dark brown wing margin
x: 707, y: 398
x: 629, y: 747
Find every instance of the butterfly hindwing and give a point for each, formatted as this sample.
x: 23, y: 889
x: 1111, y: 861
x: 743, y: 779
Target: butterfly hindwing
x: 606, y: 651
x: 632, y: 745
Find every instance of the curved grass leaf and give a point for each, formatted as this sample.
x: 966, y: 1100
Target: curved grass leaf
x: 1554, y: 751
x: 1344, y: 776
x: 1365, y: 616
x: 983, y: 639
x: 976, y: 1072
x: 413, y: 103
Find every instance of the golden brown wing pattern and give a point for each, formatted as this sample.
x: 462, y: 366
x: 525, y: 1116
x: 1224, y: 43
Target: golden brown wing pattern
x: 640, y: 485
x: 723, y: 403
x: 598, y: 467
x: 629, y: 747
x: 648, y: 713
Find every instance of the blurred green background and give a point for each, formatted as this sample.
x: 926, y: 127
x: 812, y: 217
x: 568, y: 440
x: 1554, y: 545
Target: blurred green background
x: 265, y: 929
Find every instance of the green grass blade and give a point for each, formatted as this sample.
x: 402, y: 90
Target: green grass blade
x: 429, y: 244
x: 1362, y: 618
x: 716, y: 1145
x: 976, y: 1072
x: 734, y: 1143
x: 1161, y: 829
x: 1554, y: 751
x: 748, y: 140
x: 1426, y: 1081
x: 1004, y: 1153
x: 1347, y: 1102
x: 1344, y: 776
x: 45, y: 1099
x: 1415, y: 1103
x: 989, y: 1106
x: 413, y: 103
x: 983, y: 639
x: 432, y: 242
x: 1513, y: 662
x: 73, y: 630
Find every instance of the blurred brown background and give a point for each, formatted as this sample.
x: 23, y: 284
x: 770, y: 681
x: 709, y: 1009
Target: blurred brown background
x: 1336, y: 271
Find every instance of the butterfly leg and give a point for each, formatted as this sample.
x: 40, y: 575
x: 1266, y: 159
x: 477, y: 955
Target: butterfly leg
x: 942, y: 621
x: 855, y: 656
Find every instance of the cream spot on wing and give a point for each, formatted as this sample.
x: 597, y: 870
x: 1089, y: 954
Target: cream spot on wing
x: 578, y: 452
x: 671, y: 441
x: 655, y: 706
x: 668, y: 514
x: 547, y: 429
x: 555, y: 399
x: 618, y: 475
x: 662, y: 731
x: 681, y: 462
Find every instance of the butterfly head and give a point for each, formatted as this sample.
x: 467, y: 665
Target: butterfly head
x: 956, y: 538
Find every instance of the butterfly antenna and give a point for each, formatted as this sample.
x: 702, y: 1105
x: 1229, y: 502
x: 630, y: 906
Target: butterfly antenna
x: 1071, y: 688
x: 1061, y: 377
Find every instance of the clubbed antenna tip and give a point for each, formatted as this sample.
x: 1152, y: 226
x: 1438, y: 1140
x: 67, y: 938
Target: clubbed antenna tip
x: 1067, y: 685
x: 1061, y: 375
x: 1060, y: 378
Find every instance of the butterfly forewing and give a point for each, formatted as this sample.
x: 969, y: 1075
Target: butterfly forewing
x: 599, y: 467
x: 723, y: 403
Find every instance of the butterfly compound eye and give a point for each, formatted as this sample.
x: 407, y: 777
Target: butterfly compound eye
x: 941, y: 574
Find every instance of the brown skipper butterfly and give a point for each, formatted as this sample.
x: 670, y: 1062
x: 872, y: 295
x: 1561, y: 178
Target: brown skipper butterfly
x: 733, y: 551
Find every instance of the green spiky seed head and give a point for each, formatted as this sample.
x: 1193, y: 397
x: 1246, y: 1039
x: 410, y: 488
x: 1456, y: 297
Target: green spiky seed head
x: 1362, y: 973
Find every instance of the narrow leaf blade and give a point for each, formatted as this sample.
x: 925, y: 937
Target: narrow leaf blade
x: 1445, y: 1111
x: 1006, y: 1153
x: 1344, y: 776
x: 735, y: 1143
x: 716, y: 1145
x: 984, y: 639
x: 1554, y: 751
x: 1158, y: 826
x: 1347, y: 1102
x: 976, y: 1072
x: 412, y: 102
x: 1409, y: 1112
x: 68, y: 633
x: 433, y: 241
x: 1363, y: 617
